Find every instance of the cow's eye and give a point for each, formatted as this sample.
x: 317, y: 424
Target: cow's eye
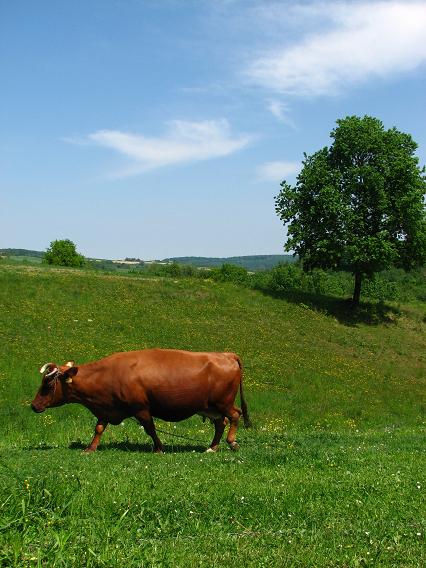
x: 46, y: 386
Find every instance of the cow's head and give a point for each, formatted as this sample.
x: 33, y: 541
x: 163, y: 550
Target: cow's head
x: 54, y: 389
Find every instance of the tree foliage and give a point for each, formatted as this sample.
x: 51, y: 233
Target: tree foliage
x: 358, y: 204
x: 63, y: 253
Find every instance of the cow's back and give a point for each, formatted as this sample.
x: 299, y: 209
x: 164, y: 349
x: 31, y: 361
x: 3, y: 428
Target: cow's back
x: 176, y: 384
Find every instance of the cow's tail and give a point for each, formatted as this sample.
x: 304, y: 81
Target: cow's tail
x: 246, y: 417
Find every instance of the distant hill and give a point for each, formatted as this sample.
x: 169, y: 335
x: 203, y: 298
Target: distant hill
x: 254, y: 262
x: 20, y: 252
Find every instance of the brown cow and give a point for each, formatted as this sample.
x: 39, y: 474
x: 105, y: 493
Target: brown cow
x: 161, y: 383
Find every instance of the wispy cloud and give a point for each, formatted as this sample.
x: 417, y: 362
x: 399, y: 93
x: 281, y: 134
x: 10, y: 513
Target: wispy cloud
x: 183, y: 142
x: 281, y: 111
x: 277, y: 171
x: 359, y: 41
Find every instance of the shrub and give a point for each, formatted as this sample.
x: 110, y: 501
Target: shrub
x: 230, y: 273
x: 378, y: 288
x: 285, y: 277
x: 63, y: 253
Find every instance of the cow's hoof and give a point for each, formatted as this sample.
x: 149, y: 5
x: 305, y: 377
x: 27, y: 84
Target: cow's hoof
x: 234, y: 446
x: 212, y: 450
x: 88, y: 451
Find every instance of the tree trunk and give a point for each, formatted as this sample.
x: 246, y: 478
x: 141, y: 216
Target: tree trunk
x: 357, y: 289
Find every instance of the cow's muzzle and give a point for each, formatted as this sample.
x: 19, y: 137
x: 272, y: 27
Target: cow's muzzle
x: 37, y: 408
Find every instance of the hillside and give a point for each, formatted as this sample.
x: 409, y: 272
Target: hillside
x: 20, y: 252
x: 32, y: 256
x: 253, y: 262
x: 337, y: 448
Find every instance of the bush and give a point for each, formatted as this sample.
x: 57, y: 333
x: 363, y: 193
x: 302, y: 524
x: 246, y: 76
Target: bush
x: 63, y: 253
x: 285, y: 277
x: 380, y: 289
x: 291, y: 277
x: 230, y: 273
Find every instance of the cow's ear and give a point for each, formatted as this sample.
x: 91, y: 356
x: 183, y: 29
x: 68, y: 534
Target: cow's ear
x: 69, y: 372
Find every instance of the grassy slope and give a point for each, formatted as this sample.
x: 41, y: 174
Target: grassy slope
x: 337, y: 451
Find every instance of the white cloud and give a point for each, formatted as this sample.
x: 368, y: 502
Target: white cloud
x: 281, y: 112
x: 277, y: 171
x: 183, y: 142
x: 366, y: 41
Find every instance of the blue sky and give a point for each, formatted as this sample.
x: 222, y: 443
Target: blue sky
x: 163, y: 128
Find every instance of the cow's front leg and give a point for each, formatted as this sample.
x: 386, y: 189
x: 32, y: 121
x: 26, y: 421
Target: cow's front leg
x: 219, y: 427
x: 145, y: 419
x: 99, y: 430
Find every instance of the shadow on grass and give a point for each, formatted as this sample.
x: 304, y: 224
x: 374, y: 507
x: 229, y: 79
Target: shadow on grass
x: 139, y: 447
x: 371, y: 313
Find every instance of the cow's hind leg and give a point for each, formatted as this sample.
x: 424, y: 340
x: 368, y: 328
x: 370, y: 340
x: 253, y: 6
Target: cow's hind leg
x: 219, y: 427
x: 145, y: 419
x: 99, y: 430
x: 234, y: 416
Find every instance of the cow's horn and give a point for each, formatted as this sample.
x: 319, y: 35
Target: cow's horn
x: 52, y: 372
x: 69, y: 364
x: 43, y: 369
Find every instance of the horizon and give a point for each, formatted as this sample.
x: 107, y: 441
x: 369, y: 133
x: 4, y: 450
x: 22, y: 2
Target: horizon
x: 2, y: 249
x: 162, y: 130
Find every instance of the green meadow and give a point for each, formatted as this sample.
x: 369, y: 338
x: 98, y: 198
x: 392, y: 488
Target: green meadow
x: 332, y: 473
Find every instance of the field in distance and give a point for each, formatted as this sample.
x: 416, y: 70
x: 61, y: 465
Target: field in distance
x: 252, y: 262
x: 332, y: 473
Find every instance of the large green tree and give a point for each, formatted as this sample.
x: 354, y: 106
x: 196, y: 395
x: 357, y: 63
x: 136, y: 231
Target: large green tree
x: 63, y: 253
x: 358, y: 205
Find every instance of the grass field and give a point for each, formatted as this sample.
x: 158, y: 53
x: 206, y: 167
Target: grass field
x: 332, y: 474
